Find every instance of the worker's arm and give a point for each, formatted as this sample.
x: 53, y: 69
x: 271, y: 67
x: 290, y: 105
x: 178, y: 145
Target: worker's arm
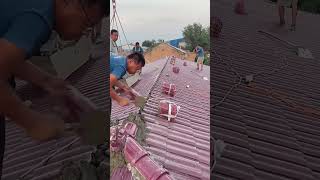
x: 113, y: 81
x: 10, y: 105
x: 14, y: 48
x: 121, y: 85
x: 29, y: 72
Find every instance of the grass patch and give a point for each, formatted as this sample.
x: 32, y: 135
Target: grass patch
x: 95, y: 169
x: 142, y: 130
x: 117, y: 161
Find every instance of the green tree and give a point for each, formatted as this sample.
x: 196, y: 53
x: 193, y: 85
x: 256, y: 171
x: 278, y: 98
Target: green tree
x: 160, y: 41
x: 312, y: 6
x: 196, y: 34
x: 153, y: 42
x: 147, y: 43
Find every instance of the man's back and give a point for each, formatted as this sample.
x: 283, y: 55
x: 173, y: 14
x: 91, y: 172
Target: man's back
x: 118, y: 66
x: 27, y: 24
x: 200, y: 52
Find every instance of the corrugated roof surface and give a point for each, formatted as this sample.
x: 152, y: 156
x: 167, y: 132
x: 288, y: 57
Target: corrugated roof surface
x: 182, y: 147
x: 266, y: 138
x: 22, y: 153
x: 149, y: 76
x: 121, y: 174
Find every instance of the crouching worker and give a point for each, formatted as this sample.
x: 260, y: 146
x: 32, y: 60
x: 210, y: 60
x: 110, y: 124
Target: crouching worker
x: 119, y: 65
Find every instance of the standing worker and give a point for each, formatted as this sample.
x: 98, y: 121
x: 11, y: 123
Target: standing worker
x: 113, y: 45
x: 137, y: 48
x: 200, y: 57
x: 24, y: 27
x: 284, y: 3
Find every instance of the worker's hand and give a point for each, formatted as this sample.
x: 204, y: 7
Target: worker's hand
x: 56, y: 87
x: 125, y: 89
x: 123, y: 101
x: 68, y: 99
x: 129, y: 91
x: 44, y: 127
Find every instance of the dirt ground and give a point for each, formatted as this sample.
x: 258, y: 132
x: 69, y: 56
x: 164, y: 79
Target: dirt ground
x: 163, y: 50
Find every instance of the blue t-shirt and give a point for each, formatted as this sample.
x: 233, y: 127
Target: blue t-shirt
x: 27, y: 24
x: 200, y: 52
x: 118, y: 66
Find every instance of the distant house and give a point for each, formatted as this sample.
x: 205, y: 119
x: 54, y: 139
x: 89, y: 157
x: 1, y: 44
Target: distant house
x: 182, y: 45
x: 166, y: 49
x: 178, y: 43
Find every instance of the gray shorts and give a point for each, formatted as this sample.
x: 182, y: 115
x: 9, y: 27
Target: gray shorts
x: 200, y: 60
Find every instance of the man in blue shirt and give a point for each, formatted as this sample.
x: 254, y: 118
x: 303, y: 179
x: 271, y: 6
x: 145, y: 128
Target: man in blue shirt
x: 24, y: 27
x: 119, y: 65
x: 200, y: 57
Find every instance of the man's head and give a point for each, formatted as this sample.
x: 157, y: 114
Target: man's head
x: 135, y: 62
x: 114, y: 35
x: 137, y: 44
x: 74, y: 17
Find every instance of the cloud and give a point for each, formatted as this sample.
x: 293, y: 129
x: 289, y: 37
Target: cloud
x: 145, y: 19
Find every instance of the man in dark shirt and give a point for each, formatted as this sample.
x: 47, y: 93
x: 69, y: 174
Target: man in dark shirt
x: 24, y: 27
x: 137, y: 48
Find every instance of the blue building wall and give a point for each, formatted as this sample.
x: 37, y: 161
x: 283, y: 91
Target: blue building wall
x: 175, y: 42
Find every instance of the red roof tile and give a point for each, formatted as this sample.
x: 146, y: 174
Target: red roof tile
x: 139, y: 159
x: 182, y: 146
x: 121, y: 174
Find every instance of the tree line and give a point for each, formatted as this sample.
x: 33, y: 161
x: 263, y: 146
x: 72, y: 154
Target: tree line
x: 312, y: 6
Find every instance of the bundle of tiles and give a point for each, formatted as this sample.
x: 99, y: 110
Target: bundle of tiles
x: 168, y: 109
x: 216, y: 26
x: 118, y: 135
x: 169, y: 89
x: 176, y: 69
x: 116, y: 140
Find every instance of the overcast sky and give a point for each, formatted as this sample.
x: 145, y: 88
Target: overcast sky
x: 159, y: 19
